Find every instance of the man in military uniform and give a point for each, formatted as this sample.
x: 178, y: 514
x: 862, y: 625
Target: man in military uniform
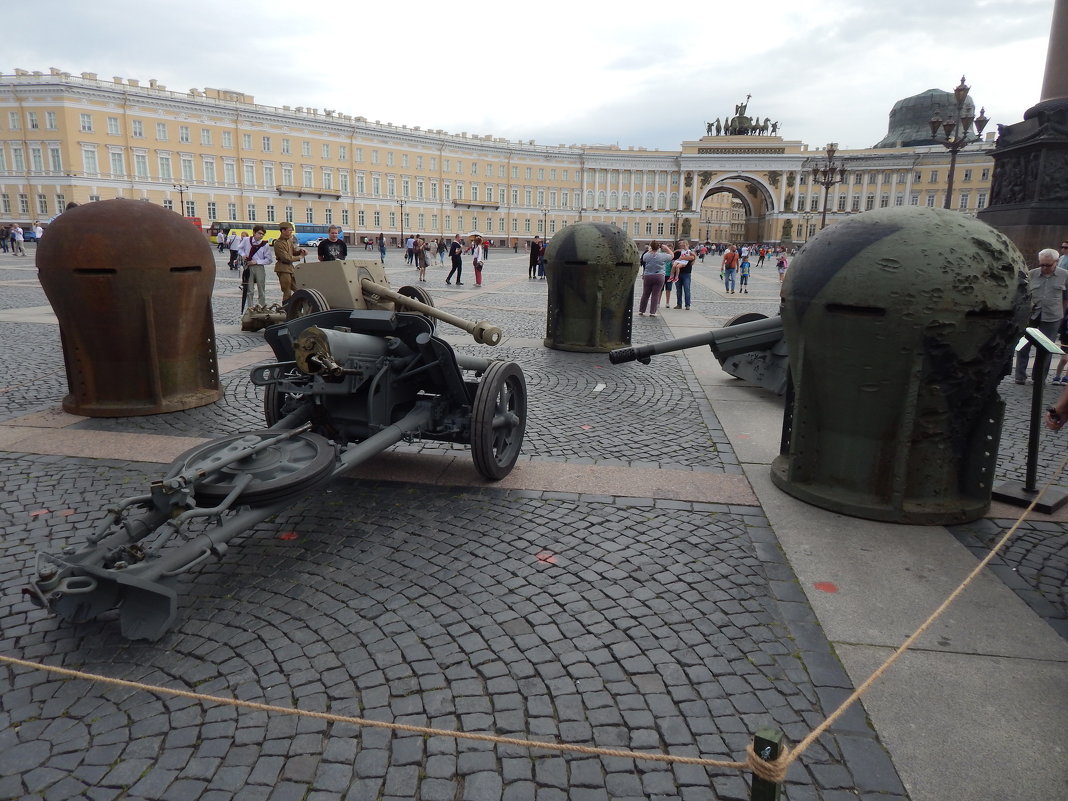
x: 286, y: 252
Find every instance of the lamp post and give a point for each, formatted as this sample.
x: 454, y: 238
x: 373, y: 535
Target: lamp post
x: 827, y: 175
x: 957, y: 132
x: 806, y: 221
x: 545, y: 223
x: 678, y: 231
x: 182, y: 188
x: 402, y: 204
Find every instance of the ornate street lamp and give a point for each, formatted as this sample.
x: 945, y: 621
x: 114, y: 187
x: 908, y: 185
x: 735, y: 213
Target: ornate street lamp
x: 402, y: 204
x: 182, y: 189
x: 827, y: 175
x: 956, y: 133
x: 678, y: 230
x: 545, y: 223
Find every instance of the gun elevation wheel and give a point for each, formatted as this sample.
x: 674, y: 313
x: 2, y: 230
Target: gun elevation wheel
x: 499, y: 419
x: 287, y: 468
x: 304, y: 302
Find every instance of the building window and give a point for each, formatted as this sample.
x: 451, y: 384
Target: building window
x: 13, y: 120
x: 813, y: 203
x: 869, y: 203
x: 305, y: 148
x: 329, y: 216
x: 246, y: 141
x: 55, y: 160
x: 343, y: 154
x: 915, y: 199
x: 307, y: 176
x: 963, y: 205
x: 213, y: 212
x: 88, y: 161
x: 42, y: 204
x: 899, y: 199
x: 165, y: 168
x: 326, y: 150
x: 187, y: 169
x: 985, y: 174
x: 934, y: 176
x: 252, y: 212
x: 918, y: 177
x: 270, y: 212
x: 205, y: 136
x: 389, y: 158
x: 86, y: 120
x: 229, y: 173
x: 359, y: 154
x: 141, y: 165
x: 967, y: 175
x: 50, y: 122
x: 227, y: 139
x: 361, y: 185
x: 980, y: 201
x: 250, y: 175
x: 33, y: 124
x: 231, y: 211
x: 289, y: 214
x: 287, y: 176
x: 190, y: 208
x: 328, y: 179
x: 285, y: 145
x: 309, y: 215
x: 344, y: 216
x: 138, y: 129
x: 268, y: 175
x: 930, y: 200
x: 361, y: 218
x: 377, y: 217
x: 265, y: 144
x: 167, y: 204
x: 841, y: 202
x: 161, y: 131
x: 183, y: 134
x: 61, y: 202
x: 5, y: 203
x: 117, y: 168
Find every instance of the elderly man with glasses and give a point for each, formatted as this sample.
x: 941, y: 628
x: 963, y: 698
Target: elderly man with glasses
x: 1049, y: 302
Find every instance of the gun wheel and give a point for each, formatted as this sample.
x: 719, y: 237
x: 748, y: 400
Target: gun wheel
x: 421, y: 295
x: 288, y: 468
x: 277, y: 404
x: 304, y: 302
x: 499, y: 420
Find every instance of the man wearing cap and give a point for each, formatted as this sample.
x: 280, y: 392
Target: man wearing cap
x: 1062, y: 263
x: 286, y: 252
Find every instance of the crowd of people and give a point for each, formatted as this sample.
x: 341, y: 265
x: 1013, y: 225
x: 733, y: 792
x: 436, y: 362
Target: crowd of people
x: 664, y: 268
x: 13, y: 237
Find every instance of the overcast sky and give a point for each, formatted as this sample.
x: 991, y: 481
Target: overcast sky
x: 582, y: 71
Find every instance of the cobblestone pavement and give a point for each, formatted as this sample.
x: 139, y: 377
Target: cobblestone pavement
x: 593, y: 619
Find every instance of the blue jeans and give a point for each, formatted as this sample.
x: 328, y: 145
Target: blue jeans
x: 682, y: 288
x: 728, y: 278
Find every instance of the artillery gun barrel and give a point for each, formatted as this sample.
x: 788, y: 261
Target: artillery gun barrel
x: 725, y: 342
x: 483, y: 332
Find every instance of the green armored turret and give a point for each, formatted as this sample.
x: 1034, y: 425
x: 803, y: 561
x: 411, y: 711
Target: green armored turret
x: 590, y: 269
x: 899, y: 323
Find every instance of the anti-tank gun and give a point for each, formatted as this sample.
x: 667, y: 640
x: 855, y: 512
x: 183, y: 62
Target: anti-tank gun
x: 749, y: 346
x: 347, y: 385
x: 362, y: 284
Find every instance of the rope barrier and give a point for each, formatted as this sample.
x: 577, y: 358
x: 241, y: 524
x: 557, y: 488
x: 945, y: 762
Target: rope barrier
x: 769, y: 770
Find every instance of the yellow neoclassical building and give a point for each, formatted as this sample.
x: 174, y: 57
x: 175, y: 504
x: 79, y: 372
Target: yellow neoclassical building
x: 217, y: 155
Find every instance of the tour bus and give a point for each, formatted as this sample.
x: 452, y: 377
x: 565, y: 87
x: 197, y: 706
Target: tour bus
x: 306, y: 233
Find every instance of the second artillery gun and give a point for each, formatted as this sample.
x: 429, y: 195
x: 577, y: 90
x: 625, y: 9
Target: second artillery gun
x: 347, y: 384
x: 750, y: 346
